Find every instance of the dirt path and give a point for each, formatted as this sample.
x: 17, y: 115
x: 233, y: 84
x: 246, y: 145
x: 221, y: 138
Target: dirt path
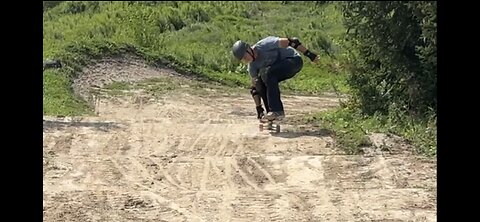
x: 192, y: 158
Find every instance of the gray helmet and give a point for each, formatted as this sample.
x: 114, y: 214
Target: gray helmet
x: 239, y: 49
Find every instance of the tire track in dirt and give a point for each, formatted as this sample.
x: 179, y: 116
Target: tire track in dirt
x: 194, y: 158
x: 265, y: 173
x: 150, y: 191
x: 243, y: 177
x: 205, y: 172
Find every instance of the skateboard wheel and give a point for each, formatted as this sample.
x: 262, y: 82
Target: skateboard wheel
x: 277, y: 128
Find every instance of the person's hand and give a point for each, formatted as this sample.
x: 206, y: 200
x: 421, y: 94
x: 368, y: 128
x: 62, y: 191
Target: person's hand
x: 260, y: 113
x: 312, y: 56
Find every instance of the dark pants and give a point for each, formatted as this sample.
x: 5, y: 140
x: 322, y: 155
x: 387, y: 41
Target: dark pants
x: 269, y: 79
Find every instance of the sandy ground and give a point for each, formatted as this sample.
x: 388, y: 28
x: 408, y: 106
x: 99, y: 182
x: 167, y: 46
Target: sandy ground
x: 183, y: 156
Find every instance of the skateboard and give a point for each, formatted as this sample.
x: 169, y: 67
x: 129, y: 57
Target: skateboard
x: 270, y: 125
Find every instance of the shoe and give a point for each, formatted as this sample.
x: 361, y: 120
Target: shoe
x: 275, y: 115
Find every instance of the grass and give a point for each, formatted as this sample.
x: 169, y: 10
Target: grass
x: 191, y: 37
x: 351, y: 129
x: 58, y: 98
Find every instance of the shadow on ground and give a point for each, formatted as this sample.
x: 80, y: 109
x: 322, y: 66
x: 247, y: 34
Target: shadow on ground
x: 49, y: 125
x: 300, y: 133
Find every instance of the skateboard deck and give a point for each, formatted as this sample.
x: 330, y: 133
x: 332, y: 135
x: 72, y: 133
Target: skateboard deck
x: 270, y: 125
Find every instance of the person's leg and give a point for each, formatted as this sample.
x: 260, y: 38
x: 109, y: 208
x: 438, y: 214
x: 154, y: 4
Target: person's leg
x: 278, y: 72
x: 296, y: 64
x: 262, y: 91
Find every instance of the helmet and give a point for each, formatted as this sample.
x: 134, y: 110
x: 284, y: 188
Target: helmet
x: 239, y: 48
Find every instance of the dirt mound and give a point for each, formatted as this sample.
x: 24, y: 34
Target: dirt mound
x: 105, y: 71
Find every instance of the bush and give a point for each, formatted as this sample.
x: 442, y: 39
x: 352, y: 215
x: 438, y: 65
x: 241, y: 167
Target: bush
x: 394, y: 63
x: 50, y: 4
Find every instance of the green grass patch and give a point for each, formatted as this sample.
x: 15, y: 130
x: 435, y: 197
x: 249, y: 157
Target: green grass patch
x: 351, y: 129
x: 58, y: 98
x: 191, y: 37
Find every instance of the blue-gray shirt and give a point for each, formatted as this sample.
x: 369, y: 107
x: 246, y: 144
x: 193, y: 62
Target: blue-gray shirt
x: 268, y: 52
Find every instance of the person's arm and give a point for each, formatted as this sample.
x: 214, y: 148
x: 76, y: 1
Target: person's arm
x: 296, y: 44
